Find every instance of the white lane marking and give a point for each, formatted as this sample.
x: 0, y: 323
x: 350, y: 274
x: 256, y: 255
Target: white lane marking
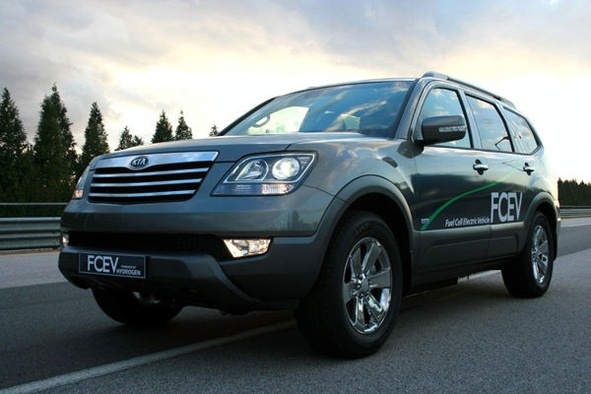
x: 119, y: 366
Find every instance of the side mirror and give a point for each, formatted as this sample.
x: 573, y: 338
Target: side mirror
x: 438, y: 129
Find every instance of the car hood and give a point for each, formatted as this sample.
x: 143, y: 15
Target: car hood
x: 232, y: 148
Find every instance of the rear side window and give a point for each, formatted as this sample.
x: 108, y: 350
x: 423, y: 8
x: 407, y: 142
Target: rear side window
x: 492, y: 130
x: 523, y: 135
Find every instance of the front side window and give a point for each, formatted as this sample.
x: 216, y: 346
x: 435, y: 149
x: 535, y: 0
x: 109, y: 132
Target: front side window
x: 492, y: 130
x: 440, y: 102
x: 523, y: 135
x: 369, y: 108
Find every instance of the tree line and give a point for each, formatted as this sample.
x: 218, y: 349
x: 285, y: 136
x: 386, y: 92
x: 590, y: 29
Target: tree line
x: 573, y: 193
x: 47, y: 169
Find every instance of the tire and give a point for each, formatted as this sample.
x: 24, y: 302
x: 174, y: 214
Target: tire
x: 135, y: 309
x: 352, y: 308
x: 529, y: 275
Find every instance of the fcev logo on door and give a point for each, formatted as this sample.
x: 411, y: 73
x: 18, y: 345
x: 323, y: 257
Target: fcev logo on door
x: 505, y: 206
x: 113, y: 265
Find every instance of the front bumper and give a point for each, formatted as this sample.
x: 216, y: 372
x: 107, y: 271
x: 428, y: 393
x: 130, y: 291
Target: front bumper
x: 275, y: 280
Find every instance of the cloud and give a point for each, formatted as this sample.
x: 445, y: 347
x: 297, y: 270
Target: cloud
x: 216, y: 59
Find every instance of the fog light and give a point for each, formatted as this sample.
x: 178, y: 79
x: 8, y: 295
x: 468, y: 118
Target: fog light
x: 247, y: 247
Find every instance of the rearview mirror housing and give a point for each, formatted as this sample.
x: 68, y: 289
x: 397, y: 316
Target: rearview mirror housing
x: 437, y: 129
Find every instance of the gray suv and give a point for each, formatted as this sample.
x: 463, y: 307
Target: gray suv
x: 334, y: 201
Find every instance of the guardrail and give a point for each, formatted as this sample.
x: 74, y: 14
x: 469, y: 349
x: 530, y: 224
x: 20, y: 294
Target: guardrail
x: 29, y: 233
x: 575, y: 212
x: 44, y: 232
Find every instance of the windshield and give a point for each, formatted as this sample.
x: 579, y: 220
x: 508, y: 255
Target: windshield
x: 369, y: 108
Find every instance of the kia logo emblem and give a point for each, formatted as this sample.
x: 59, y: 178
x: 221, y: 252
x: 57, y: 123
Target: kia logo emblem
x: 139, y: 162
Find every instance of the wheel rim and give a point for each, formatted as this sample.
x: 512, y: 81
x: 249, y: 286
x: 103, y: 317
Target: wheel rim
x: 540, y: 254
x: 367, y: 286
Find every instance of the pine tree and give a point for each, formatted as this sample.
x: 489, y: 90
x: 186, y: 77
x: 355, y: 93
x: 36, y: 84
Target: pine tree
x: 95, y: 138
x: 55, y: 155
x: 183, y: 131
x: 163, y: 131
x: 17, y: 174
x: 214, y: 131
x: 128, y: 141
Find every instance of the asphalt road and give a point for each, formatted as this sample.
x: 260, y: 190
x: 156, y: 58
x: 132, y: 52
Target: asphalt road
x: 468, y: 338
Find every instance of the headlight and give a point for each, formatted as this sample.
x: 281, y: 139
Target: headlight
x: 266, y: 175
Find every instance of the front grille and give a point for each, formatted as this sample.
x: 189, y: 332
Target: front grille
x: 162, y: 178
x: 152, y: 243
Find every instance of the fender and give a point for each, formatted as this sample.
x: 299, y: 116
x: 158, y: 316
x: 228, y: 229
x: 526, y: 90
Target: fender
x: 353, y: 195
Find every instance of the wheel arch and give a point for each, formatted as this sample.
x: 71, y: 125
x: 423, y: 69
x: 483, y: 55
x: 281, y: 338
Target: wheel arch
x: 383, y: 198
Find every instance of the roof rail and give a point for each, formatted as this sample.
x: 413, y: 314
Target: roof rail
x: 436, y: 75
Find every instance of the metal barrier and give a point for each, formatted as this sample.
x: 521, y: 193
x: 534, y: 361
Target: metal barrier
x: 37, y: 225
x: 574, y: 212
x: 29, y: 233
x: 44, y: 232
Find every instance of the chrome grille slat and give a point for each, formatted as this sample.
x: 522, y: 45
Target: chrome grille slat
x: 137, y: 184
x: 152, y: 173
x: 121, y: 195
x: 165, y: 177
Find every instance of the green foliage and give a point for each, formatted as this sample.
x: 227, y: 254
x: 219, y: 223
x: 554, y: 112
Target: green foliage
x: 214, y: 131
x: 128, y: 141
x: 55, y: 156
x: 163, y: 131
x: 573, y: 193
x: 183, y: 132
x: 16, y: 156
x: 95, y: 138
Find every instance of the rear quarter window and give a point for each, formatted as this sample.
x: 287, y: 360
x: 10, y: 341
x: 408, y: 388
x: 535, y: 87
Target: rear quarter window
x: 522, y: 133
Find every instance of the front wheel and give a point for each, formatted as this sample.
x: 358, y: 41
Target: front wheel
x: 351, y: 310
x: 135, y: 309
x: 530, y: 273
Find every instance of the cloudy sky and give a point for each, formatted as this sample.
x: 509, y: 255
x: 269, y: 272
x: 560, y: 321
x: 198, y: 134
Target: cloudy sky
x: 215, y: 59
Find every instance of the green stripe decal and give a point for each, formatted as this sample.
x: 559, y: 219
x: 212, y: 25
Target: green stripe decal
x: 458, y: 197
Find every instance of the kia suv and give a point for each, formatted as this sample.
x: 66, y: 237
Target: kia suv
x: 334, y: 201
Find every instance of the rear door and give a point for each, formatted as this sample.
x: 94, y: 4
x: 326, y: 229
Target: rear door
x: 507, y: 176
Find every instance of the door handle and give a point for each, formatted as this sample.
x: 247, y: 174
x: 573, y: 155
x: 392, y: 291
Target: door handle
x: 480, y: 167
x: 529, y: 169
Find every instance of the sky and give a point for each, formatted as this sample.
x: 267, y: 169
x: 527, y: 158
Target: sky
x: 216, y: 59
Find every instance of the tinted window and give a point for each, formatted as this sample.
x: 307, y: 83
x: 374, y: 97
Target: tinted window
x: 523, y: 135
x: 444, y: 102
x: 491, y: 127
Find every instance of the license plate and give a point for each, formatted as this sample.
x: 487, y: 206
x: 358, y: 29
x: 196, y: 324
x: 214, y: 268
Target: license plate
x: 126, y: 266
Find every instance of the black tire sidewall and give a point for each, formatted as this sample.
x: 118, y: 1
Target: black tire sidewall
x: 326, y: 298
x: 519, y: 275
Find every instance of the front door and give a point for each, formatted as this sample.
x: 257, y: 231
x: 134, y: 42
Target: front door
x: 452, y: 213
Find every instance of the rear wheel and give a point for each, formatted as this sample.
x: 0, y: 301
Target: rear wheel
x: 352, y: 307
x: 530, y: 273
x: 135, y: 309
